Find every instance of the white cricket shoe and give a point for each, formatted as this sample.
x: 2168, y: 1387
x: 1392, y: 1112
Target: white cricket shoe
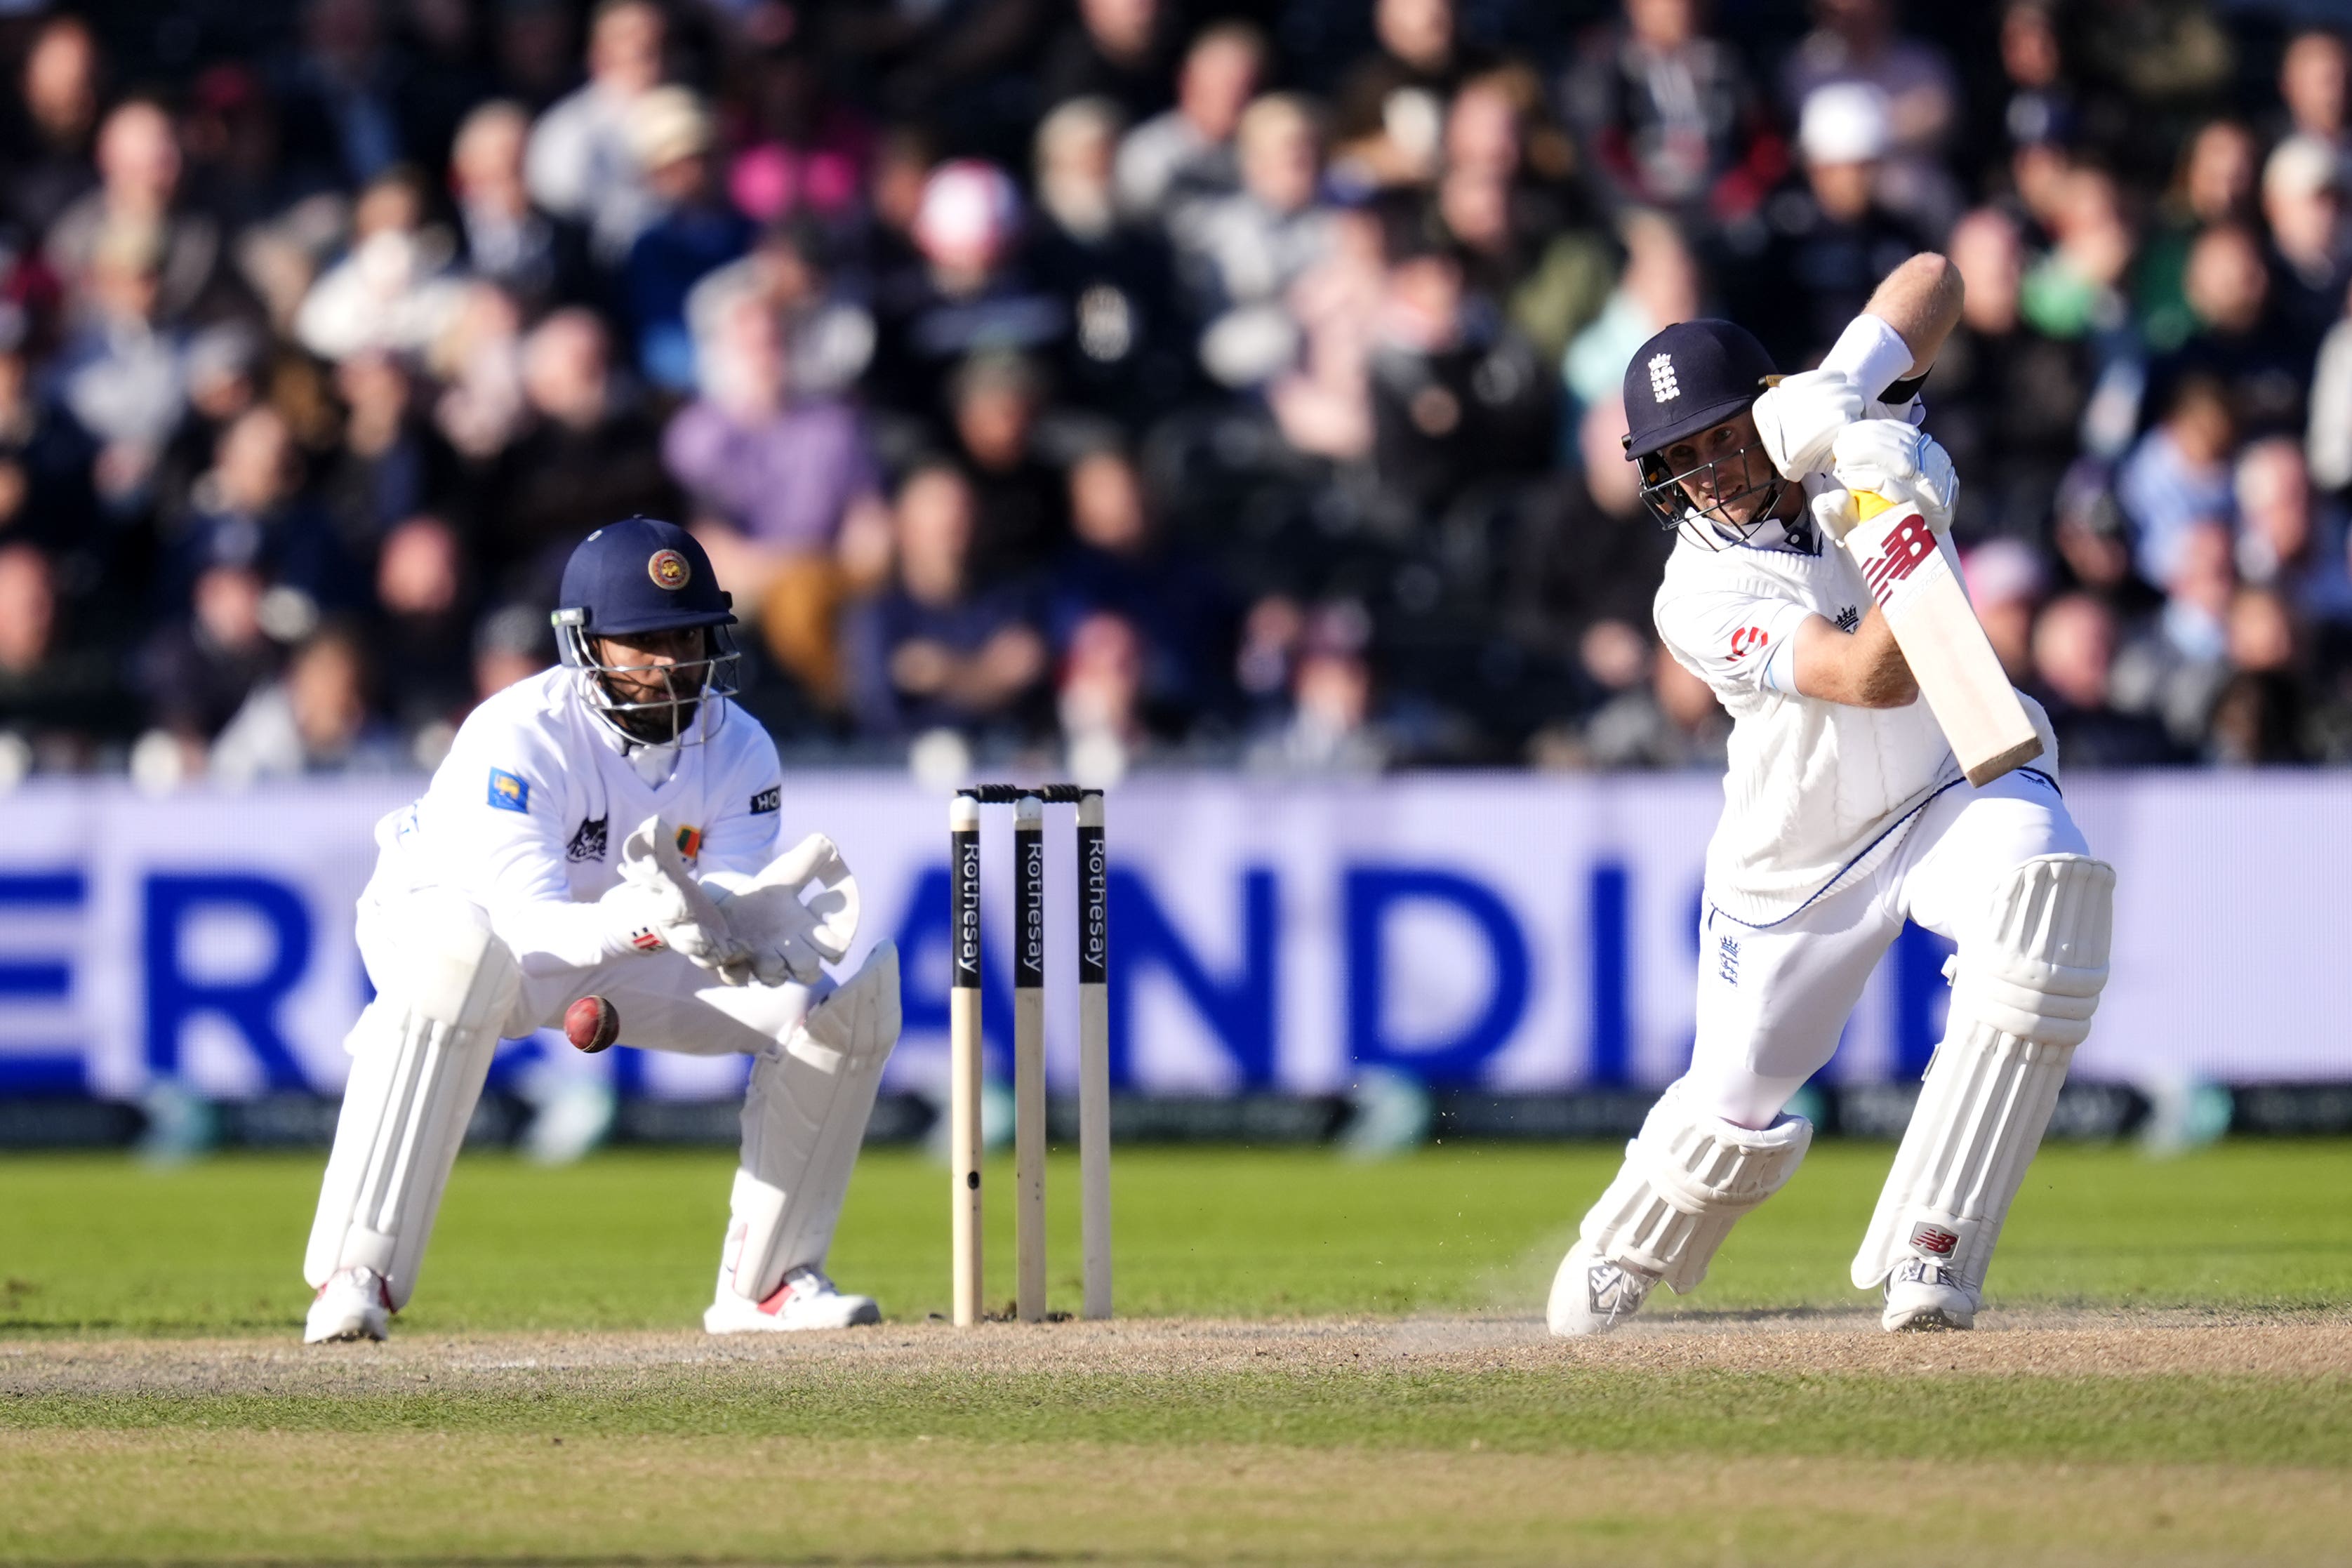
x: 806, y: 1300
x: 1591, y: 1295
x: 353, y: 1304
x: 1925, y: 1294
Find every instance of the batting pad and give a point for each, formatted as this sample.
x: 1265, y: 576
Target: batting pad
x: 804, y: 1119
x: 2023, y: 1001
x: 419, y: 1054
x: 1687, y: 1180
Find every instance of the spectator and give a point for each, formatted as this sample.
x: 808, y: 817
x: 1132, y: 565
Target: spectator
x: 251, y: 510
x: 1330, y: 727
x: 122, y: 374
x: 2074, y: 663
x: 197, y: 668
x: 138, y: 169
x: 808, y: 149
x: 2287, y: 542
x: 1129, y: 351
x: 588, y: 455
x: 2240, y: 341
x: 582, y: 163
x: 512, y: 644
x: 1585, y: 557
x: 2075, y: 289
x: 2007, y: 400
x: 694, y: 234
x: 1834, y: 238
x: 59, y: 693
x: 1171, y: 163
x: 1323, y: 405
x: 1519, y: 247
x: 1171, y: 609
x: 1459, y: 400
x: 828, y: 334
x: 1658, y: 287
x: 394, y: 288
x: 2005, y: 584
x: 50, y: 147
x: 505, y: 237
x: 1020, y: 499
x: 317, y: 719
x: 1855, y: 41
x: 1669, y: 117
x: 2179, y: 476
x: 45, y: 472
x: 2310, y: 264
x: 342, y: 94
x: 391, y: 464
x: 968, y: 292
x: 425, y: 598
x: 2312, y: 84
x: 1673, y: 722
x: 1252, y: 247
x: 2259, y: 716
x: 2174, y: 667
x: 1390, y: 114
x: 785, y: 492
x: 1117, y: 49
x: 934, y: 650
x: 1098, y: 700
x: 2215, y: 185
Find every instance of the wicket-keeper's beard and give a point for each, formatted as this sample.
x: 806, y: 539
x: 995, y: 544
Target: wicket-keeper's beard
x: 660, y: 724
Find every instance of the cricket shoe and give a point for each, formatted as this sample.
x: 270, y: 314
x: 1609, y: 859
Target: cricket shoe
x: 806, y: 1300
x: 1591, y: 1295
x: 353, y: 1304
x: 1923, y: 1294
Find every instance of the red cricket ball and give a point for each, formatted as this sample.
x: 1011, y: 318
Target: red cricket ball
x: 592, y: 1024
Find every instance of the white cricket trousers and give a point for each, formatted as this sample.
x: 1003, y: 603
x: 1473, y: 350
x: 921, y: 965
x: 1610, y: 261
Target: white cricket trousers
x: 1773, y: 999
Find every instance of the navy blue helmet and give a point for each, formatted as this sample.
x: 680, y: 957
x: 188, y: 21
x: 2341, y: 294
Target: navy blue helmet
x: 1685, y: 381
x: 635, y: 579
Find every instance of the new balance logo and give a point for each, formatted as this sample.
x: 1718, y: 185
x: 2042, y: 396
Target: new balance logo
x: 1663, y: 385
x: 1934, y: 1240
x: 1911, y: 542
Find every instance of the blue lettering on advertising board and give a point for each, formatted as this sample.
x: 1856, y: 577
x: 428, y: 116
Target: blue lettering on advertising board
x: 1372, y: 893
x: 248, y: 1003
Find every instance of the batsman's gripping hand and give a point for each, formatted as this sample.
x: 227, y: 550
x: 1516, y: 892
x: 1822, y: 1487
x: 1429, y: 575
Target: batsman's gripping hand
x: 1799, y: 416
x: 1891, y: 458
x: 658, y: 904
x: 799, y: 912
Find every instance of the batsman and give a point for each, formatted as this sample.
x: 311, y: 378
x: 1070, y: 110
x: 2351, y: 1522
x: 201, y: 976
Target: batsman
x: 1811, y: 589
x: 610, y: 830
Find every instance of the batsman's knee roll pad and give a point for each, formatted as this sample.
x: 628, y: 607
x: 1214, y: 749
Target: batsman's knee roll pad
x: 420, y: 1052
x: 803, y: 1119
x: 1687, y: 1178
x: 2037, y: 969
x: 2025, y: 985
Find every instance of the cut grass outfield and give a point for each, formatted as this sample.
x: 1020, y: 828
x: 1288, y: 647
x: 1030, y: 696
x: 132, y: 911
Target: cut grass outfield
x: 152, y: 1406
x: 629, y: 1239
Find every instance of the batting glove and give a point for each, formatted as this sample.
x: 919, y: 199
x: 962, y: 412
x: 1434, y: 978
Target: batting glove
x: 1800, y: 415
x: 1890, y: 459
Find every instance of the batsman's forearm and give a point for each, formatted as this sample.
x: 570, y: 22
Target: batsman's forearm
x: 1882, y: 676
x: 1921, y: 301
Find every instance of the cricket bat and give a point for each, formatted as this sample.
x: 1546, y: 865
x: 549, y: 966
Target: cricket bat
x: 1928, y: 612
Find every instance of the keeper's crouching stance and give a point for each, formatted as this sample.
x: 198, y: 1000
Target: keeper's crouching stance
x: 610, y: 828
x: 1844, y: 815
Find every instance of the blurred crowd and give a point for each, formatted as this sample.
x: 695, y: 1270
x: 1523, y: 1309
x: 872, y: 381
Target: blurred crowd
x: 1117, y: 383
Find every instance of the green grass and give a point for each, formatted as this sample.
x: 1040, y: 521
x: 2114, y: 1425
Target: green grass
x: 837, y: 1456
x: 630, y: 1239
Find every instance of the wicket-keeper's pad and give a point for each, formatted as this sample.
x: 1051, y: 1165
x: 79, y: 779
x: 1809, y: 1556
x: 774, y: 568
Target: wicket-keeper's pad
x: 1687, y: 1178
x: 2027, y: 981
x: 419, y: 1053
x: 803, y: 1119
